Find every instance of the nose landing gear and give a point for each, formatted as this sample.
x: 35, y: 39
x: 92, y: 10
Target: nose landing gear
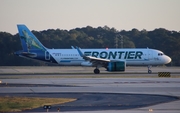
x: 149, y: 69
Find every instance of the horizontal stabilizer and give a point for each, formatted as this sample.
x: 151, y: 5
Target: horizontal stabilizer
x: 29, y: 54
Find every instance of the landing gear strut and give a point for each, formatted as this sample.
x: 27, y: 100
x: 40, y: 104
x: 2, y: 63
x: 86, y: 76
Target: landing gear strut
x: 149, y: 69
x: 96, y: 71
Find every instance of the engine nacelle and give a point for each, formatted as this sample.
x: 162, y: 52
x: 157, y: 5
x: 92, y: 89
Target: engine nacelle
x: 116, y: 66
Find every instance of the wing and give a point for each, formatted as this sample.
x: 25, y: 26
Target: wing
x: 95, y: 61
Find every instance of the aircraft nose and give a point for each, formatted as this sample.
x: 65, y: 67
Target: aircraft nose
x: 167, y: 59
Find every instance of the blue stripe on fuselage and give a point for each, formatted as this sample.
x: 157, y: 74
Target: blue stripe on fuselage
x: 65, y: 61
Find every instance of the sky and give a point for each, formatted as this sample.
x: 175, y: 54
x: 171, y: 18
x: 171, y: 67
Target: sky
x: 69, y: 14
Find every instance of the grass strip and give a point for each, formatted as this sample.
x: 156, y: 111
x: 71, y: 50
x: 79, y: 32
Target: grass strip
x: 15, y: 104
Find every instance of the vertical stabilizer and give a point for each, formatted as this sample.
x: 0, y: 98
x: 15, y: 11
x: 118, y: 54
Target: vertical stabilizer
x: 28, y: 40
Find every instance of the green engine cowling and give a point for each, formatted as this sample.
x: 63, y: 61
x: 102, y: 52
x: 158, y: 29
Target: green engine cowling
x: 116, y: 66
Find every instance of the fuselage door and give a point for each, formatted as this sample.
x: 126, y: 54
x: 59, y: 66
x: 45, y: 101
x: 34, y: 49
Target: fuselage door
x: 47, y: 55
x: 150, y: 55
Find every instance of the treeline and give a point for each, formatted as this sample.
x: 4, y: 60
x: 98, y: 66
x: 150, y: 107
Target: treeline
x: 89, y: 37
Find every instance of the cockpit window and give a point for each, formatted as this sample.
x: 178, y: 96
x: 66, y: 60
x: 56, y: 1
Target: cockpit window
x: 160, y: 54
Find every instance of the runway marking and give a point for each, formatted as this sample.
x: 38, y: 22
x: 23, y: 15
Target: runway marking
x: 147, y: 82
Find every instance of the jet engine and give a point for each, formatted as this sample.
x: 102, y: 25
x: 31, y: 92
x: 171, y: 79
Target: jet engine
x: 116, y: 66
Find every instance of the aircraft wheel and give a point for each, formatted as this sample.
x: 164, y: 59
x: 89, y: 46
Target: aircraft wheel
x: 149, y: 71
x: 96, y: 71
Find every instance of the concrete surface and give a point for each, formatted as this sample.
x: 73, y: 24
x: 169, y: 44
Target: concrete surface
x: 124, y: 85
x: 78, y: 69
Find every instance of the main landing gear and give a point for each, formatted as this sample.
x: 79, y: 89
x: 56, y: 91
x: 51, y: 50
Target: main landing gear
x: 149, y: 69
x: 96, y: 71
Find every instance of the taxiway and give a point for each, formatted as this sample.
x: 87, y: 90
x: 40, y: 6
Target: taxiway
x: 127, y: 93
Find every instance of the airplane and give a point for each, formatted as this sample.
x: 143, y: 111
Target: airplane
x: 111, y: 59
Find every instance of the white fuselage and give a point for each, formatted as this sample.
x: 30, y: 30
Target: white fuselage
x: 130, y: 56
x: 111, y: 59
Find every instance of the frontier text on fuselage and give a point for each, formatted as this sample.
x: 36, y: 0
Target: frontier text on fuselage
x: 115, y: 54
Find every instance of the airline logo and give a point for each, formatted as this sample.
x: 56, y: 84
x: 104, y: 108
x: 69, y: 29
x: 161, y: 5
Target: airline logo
x: 115, y: 54
x: 31, y: 41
